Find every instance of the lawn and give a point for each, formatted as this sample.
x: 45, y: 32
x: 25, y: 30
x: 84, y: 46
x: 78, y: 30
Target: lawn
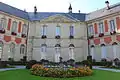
x: 25, y: 75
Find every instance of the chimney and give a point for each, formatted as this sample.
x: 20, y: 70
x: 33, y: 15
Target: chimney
x: 79, y: 11
x: 35, y: 10
x: 107, y: 3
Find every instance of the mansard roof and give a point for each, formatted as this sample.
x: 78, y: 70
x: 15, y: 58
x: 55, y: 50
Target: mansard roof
x: 13, y: 11
x: 43, y: 15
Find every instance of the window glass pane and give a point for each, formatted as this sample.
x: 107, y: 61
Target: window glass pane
x: 44, y: 30
x: 24, y: 30
x: 101, y: 29
x: 14, y: 27
x: 3, y: 23
x: 43, y: 48
x: 112, y: 25
x: 57, y: 31
x: 71, y: 31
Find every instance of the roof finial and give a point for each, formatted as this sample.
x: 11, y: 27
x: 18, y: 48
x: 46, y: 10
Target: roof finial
x: 70, y: 8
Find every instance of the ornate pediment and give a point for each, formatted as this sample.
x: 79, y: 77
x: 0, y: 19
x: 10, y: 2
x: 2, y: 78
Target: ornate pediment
x: 58, y: 19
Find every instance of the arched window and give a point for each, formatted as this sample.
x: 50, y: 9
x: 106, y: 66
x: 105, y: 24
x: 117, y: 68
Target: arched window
x: 22, y: 49
x: 43, y: 51
x: 1, y: 49
x: 92, y: 51
x: 57, y: 54
x: 71, y: 51
x: 12, y: 51
x: 103, y: 51
x: 115, y: 47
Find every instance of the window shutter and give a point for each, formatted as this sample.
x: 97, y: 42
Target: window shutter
x: 9, y: 24
x: 19, y: 27
x: 95, y: 28
x: 118, y: 23
x: 106, y: 25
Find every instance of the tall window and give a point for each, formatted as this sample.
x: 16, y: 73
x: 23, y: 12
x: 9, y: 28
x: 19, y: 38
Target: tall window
x: 90, y: 30
x: 43, y: 51
x: 57, y: 30
x: 14, y: 27
x: 22, y: 49
x: 101, y: 27
x: 1, y: 49
x: 12, y: 51
x: 71, y: 31
x: 71, y: 51
x: 3, y: 24
x: 112, y: 25
x: 57, y: 52
x: 24, y: 29
x: 44, y: 30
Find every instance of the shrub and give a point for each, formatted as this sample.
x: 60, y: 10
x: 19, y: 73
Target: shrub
x: 39, y: 70
x: 3, y: 64
x: 30, y: 64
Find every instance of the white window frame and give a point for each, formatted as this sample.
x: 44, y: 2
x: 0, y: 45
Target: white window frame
x: 14, y: 27
x: 101, y: 27
x: 24, y: 29
x: 44, y: 30
x: 71, y: 30
x: 3, y: 23
x: 112, y: 25
x: 90, y: 30
x: 57, y: 30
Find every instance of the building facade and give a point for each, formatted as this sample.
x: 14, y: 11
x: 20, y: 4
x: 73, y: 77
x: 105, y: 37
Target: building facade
x: 50, y: 35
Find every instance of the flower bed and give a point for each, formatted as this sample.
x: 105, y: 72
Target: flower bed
x: 39, y: 70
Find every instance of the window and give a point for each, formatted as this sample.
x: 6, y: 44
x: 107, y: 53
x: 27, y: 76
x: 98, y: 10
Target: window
x: 90, y: 30
x: 57, y: 54
x: 44, y: 29
x: 3, y: 24
x: 14, y: 27
x: 58, y: 31
x: 22, y: 49
x: 24, y: 29
x: 43, y: 51
x: 71, y: 31
x: 112, y: 26
x: 1, y: 50
x: 101, y: 28
x: 12, y: 51
x: 43, y: 48
x: 71, y: 51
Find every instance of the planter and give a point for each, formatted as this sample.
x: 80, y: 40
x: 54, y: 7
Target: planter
x: 23, y: 36
x: 71, y: 37
x: 113, y: 33
x: 13, y: 33
x: 44, y: 37
x: 57, y: 37
x: 101, y: 34
x: 2, y: 31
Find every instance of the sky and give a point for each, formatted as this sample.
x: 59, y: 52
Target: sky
x: 85, y: 6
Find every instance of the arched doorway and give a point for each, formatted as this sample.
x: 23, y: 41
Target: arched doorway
x: 22, y: 51
x: 71, y: 51
x: 12, y: 52
x: 1, y: 49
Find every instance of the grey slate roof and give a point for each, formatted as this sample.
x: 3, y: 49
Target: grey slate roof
x: 43, y: 15
x: 13, y: 11
x: 40, y: 15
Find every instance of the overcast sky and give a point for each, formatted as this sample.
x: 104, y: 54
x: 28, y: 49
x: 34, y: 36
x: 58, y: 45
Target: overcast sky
x: 85, y: 6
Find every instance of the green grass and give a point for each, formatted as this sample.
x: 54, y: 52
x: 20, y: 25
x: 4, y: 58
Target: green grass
x: 25, y: 75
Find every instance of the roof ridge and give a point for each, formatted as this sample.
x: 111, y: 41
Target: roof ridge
x: 13, y: 7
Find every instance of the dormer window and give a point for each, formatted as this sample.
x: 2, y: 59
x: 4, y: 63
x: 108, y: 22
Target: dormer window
x: 14, y: 28
x: 2, y: 25
x: 24, y: 31
x: 57, y: 32
x: 71, y: 32
x: 44, y: 31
